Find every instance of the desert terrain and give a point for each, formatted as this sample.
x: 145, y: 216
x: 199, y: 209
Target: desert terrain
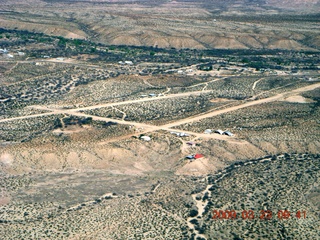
x: 140, y: 124
x: 244, y: 24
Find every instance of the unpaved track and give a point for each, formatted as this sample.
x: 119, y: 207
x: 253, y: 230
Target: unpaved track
x: 55, y: 111
x: 206, y: 83
x: 168, y: 127
x: 150, y: 128
x: 140, y: 100
x: 58, y: 61
x: 28, y: 116
x: 256, y: 82
x: 247, y: 104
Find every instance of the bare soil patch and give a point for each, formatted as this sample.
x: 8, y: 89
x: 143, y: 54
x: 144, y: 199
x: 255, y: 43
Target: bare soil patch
x: 298, y: 99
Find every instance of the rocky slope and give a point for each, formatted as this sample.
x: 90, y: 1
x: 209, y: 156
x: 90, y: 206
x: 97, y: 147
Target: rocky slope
x: 178, y: 24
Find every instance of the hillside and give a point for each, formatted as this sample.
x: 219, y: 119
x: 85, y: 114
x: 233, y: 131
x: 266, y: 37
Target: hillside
x: 291, y: 25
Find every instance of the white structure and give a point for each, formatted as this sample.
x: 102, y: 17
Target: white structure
x: 3, y: 50
x: 219, y: 131
x: 180, y: 134
x: 228, y: 133
x: 208, y: 131
x: 146, y: 138
x: 184, y: 134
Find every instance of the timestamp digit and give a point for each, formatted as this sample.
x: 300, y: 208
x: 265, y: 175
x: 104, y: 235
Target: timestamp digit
x: 247, y: 214
x: 228, y: 215
x: 250, y: 214
x: 233, y: 214
x: 244, y: 214
x: 222, y: 214
x: 286, y: 214
x: 283, y: 214
x: 265, y: 214
x: 215, y: 214
x: 268, y: 214
x: 298, y: 214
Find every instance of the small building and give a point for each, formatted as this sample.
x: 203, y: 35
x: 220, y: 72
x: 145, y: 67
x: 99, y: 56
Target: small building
x: 128, y: 62
x: 190, y: 157
x: 183, y: 134
x: 191, y: 143
x: 180, y: 134
x: 228, y: 133
x: 142, y: 73
x: 4, y: 100
x: 145, y: 138
x: 197, y: 156
x: 3, y: 50
x: 208, y: 131
x: 219, y: 131
x: 21, y: 53
x: 152, y: 94
x: 10, y: 55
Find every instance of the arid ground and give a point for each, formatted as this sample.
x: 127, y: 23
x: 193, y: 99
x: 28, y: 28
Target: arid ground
x: 102, y: 108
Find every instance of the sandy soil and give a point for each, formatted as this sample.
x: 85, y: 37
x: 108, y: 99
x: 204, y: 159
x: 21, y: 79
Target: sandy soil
x: 4, y: 200
x: 198, y: 167
x: 247, y: 104
x: 215, y: 100
x: 6, y: 159
x: 298, y: 99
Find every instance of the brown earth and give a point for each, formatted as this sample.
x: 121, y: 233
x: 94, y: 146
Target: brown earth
x: 173, y: 24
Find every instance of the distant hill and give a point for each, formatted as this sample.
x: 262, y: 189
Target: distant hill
x: 202, y: 24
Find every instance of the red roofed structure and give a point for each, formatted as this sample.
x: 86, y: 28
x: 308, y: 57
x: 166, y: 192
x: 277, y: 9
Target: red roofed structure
x: 196, y: 156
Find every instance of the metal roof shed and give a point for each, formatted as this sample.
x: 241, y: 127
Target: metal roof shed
x: 198, y: 155
x: 219, y: 131
x: 228, y: 133
x: 146, y: 138
x: 207, y: 131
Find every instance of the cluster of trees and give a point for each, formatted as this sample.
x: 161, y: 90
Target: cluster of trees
x: 71, y: 120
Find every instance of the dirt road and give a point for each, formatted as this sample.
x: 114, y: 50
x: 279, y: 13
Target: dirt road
x: 28, y: 116
x: 256, y: 82
x: 168, y: 127
x: 247, y: 104
x: 185, y: 94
